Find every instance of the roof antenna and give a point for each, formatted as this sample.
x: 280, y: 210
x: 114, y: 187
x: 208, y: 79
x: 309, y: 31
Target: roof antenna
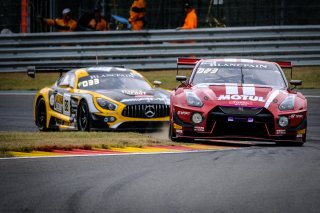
x: 97, y: 60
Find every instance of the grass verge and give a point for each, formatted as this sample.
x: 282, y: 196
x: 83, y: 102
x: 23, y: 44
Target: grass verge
x: 47, y: 141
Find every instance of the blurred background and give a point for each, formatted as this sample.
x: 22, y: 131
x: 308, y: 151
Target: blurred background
x: 167, y: 14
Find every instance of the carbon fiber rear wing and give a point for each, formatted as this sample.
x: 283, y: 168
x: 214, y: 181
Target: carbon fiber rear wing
x: 31, y: 70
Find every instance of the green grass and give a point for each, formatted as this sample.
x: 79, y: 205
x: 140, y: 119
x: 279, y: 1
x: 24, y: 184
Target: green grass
x: 310, y: 77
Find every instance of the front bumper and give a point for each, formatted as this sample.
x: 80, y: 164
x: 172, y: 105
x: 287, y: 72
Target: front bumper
x: 258, y: 127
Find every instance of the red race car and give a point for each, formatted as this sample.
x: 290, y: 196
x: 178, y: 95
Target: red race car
x: 237, y: 99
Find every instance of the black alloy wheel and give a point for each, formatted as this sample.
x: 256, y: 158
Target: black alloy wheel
x: 84, y: 121
x: 41, y: 115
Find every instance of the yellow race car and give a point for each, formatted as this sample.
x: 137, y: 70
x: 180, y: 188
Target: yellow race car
x: 102, y: 98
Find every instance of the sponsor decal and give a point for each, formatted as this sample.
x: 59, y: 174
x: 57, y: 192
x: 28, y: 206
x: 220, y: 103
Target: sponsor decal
x: 183, y: 113
x: 112, y: 75
x: 241, y: 97
x: 296, y: 116
x: 235, y: 64
x: 58, y: 103
x: 179, y: 131
x: 241, y: 103
x: 134, y: 92
x: 146, y: 99
x: 299, y: 135
x: 199, y: 128
x: 281, y: 132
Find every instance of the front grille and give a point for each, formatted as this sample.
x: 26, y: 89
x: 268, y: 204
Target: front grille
x: 241, y: 110
x: 146, y: 111
x: 261, y: 121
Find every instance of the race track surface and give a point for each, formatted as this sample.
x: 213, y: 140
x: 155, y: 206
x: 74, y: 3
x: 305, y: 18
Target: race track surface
x: 262, y: 178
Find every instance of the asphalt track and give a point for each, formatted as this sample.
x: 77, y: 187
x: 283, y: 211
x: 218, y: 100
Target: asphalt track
x: 262, y: 178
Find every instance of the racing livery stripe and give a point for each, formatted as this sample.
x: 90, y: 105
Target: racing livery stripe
x: 230, y: 60
x: 246, y: 60
x: 248, y: 89
x: 232, y: 89
x: 270, y: 99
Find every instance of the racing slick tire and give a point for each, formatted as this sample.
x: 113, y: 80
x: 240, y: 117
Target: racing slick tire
x: 84, y: 118
x: 41, y: 115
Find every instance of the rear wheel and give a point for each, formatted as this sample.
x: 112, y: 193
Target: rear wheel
x: 41, y: 115
x: 83, y: 118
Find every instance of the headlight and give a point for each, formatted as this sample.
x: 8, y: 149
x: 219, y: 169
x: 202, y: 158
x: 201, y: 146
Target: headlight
x: 193, y: 100
x: 106, y: 104
x: 196, y: 118
x: 283, y: 121
x: 287, y: 103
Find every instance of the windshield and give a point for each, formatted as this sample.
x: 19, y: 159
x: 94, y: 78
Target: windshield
x: 246, y: 73
x: 113, y: 80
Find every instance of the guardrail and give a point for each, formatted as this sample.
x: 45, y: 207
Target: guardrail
x: 158, y: 49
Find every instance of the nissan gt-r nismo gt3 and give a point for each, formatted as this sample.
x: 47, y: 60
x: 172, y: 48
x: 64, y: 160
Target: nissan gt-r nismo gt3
x: 102, y: 98
x: 227, y: 99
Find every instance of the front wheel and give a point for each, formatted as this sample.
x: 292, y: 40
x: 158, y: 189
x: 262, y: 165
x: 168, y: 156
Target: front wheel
x: 83, y: 118
x: 41, y: 115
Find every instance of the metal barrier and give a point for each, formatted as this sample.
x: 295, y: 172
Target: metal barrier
x: 158, y: 49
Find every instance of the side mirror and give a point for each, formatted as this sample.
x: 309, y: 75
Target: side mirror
x: 181, y: 78
x: 157, y: 83
x: 295, y: 82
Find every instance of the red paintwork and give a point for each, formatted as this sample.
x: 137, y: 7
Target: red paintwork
x: 217, y: 95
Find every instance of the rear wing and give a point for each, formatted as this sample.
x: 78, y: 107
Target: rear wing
x: 187, y: 62
x: 31, y: 70
x: 286, y: 65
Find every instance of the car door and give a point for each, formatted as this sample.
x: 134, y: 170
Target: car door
x: 62, y: 94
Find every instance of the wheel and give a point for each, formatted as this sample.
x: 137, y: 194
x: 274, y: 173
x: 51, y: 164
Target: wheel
x: 41, y: 115
x: 83, y: 118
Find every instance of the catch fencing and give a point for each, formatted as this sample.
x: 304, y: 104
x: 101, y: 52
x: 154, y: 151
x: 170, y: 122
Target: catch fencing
x: 158, y: 49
